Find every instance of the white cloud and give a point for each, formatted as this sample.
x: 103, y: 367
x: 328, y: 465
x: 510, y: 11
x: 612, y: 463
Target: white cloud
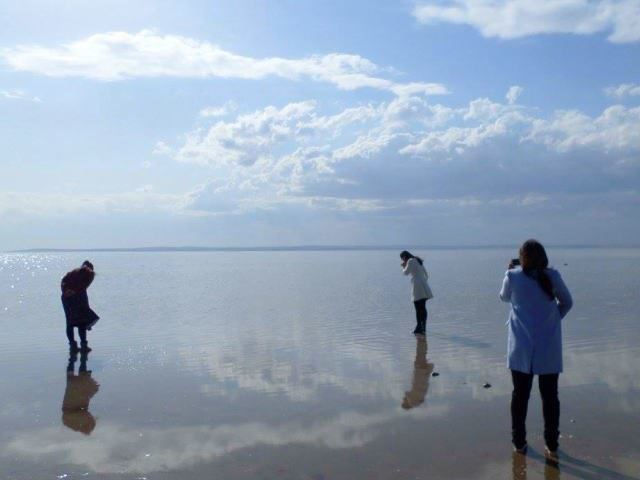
x: 356, y: 158
x: 248, y: 139
x: 384, y: 158
x: 623, y: 90
x: 116, y: 56
x: 219, y: 111
x: 513, y: 94
x: 161, y: 148
x: 18, y: 95
x: 521, y: 18
x: 616, y: 129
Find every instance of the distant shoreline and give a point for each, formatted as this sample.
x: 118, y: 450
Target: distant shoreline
x: 298, y: 248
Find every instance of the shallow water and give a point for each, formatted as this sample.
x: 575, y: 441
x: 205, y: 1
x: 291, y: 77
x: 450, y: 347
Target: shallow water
x: 301, y: 365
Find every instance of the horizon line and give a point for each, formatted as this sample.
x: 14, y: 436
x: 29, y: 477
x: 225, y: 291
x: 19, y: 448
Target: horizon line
x: 284, y: 248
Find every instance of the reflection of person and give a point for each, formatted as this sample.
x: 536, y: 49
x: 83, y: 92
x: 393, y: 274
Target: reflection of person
x: 421, y: 372
x: 80, y: 390
x: 539, y: 300
x: 76, y: 304
x: 421, y: 292
x: 519, y: 468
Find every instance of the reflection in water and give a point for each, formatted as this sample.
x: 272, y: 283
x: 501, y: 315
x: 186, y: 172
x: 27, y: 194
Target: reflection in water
x: 421, y: 372
x: 519, y: 467
x: 80, y: 390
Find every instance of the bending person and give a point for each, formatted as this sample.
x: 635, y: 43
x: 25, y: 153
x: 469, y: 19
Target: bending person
x: 420, y: 290
x: 76, y: 304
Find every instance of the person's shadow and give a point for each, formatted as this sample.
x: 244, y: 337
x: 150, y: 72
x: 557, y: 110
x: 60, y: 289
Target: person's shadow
x: 421, y: 372
x: 573, y: 466
x: 81, y: 388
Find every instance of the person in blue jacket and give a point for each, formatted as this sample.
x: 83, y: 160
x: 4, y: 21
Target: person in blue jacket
x: 539, y: 301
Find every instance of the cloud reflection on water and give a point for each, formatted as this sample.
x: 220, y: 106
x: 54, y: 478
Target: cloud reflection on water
x: 121, y: 449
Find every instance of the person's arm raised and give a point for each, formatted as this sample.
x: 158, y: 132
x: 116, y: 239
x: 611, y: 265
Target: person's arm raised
x: 562, y: 294
x: 505, y: 291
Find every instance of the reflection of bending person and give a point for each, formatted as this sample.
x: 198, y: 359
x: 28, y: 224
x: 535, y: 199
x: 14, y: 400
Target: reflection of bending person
x: 80, y: 390
x: 421, y: 372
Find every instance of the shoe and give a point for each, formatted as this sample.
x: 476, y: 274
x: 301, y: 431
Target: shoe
x: 522, y: 450
x: 85, y: 348
x: 551, y: 454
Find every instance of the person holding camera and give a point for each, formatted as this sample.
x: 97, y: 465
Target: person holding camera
x: 539, y: 301
x: 420, y: 291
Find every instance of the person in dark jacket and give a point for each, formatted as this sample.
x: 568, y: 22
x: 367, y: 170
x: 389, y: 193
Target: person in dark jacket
x: 76, y: 304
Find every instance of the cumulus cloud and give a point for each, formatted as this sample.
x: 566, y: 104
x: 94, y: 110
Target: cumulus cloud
x: 114, y: 56
x: 615, y: 130
x: 623, y: 90
x: 520, y: 18
x: 400, y: 154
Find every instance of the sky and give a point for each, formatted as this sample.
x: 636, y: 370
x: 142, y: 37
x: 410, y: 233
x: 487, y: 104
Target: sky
x: 297, y: 122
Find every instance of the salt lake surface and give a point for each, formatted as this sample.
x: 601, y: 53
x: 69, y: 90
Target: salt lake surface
x: 302, y: 365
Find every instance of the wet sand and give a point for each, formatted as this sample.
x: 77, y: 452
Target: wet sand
x: 302, y: 366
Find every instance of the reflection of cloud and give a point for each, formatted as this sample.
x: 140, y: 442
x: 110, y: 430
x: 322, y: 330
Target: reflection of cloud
x: 116, y: 449
x: 256, y: 368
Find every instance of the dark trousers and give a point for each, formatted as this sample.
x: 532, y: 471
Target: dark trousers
x: 548, y: 385
x: 82, y: 332
x: 421, y: 315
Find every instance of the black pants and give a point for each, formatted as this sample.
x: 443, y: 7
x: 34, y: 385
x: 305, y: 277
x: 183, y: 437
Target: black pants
x: 82, y: 332
x: 421, y: 315
x: 548, y: 385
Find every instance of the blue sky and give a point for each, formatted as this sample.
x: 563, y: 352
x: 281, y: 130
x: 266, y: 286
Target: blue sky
x: 278, y: 123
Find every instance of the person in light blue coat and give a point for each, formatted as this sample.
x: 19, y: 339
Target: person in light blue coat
x: 539, y: 301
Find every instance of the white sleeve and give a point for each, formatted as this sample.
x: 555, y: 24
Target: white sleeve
x: 505, y: 292
x: 409, y: 268
x: 562, y: 294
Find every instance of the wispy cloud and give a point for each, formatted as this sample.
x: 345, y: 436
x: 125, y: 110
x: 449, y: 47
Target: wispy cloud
x: 18, y: 95
x: 219, y: 111
x: 114, y: 56
x: 521, y: 18
x: 623, y: 90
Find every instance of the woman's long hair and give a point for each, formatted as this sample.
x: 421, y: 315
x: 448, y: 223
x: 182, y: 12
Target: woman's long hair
x: 404, y: 255
x: 534, y: 261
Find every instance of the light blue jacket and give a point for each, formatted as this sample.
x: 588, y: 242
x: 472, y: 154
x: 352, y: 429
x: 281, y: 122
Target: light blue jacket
x: 535, y: 335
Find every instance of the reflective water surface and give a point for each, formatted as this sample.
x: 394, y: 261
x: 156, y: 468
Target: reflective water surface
x: 302, y: 365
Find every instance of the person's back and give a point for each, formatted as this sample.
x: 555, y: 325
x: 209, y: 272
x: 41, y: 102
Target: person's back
x: 539, y: 300
x: 535, y: 320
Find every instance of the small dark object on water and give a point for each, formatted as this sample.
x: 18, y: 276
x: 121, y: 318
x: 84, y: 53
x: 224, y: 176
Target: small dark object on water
x: 573, y: 420
x: 435, y: 374
x: 487, y: 385
x: 566, y: 264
